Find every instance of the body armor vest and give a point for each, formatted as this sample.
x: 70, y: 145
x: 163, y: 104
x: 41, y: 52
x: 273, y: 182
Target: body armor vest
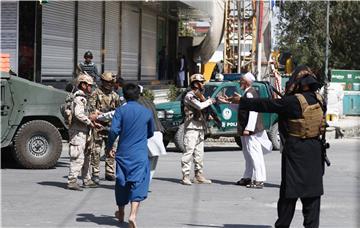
x: 311, y: 122
x: 192, y: 114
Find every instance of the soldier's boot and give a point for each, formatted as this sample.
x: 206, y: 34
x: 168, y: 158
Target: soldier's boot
x: 200, y: 179
x: 96, y: 179
x: 74, y: 186
x: 109, y: 177
x: 186, y: 180
x: 89, y: 184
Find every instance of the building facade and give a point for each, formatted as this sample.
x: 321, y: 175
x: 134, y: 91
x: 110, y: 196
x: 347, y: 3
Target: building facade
x: 47, y: 41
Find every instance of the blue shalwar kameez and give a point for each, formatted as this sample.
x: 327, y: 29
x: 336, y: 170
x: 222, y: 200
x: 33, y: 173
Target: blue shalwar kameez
x: 133, y: 123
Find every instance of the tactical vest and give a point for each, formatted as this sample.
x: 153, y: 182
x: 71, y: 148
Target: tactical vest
x: 192, y: 114
x: 311, y: 122
x: 105, y: 102
x: 243, y: 116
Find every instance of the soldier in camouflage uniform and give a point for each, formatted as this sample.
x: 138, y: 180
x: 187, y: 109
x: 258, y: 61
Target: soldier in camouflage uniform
x: 103, y: 99
x: 195, y: 127
x: 78, y: 134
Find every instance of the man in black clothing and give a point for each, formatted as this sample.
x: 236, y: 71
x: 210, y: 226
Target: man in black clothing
x: 301, y: 115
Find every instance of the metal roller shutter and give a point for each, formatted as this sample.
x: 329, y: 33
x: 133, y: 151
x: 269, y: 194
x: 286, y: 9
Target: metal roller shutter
x: 9, y: 32
x: 90, y: 30
x: 148, y: 46
x: 58, y: 24
x: 112, y: 30
x: 129, y: 42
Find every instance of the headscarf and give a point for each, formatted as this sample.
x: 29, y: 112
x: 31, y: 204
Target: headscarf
x: 301, y: 76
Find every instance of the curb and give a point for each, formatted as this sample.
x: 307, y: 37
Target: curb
x: 331, y: 133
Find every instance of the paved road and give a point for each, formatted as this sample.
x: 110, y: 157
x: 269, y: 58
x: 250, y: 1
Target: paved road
x: 38, y: 198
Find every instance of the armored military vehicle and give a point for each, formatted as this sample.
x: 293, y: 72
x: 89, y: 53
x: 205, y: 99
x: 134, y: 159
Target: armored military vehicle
x: 31, y: 122
x: 171, y: 116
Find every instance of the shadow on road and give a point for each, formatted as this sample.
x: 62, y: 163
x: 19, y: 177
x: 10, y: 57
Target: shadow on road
x: 173, y: 180
x: 7, y: 159
x: 62, y: 164
x: 208, y: 149
x: 231, y: 226
x: 64, y: 184
x: 54, y: 184
x: 100, y: 220
x: 269, y: 185
x: 223, y: 182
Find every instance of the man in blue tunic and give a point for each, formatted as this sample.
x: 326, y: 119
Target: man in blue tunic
x: 133, y: 124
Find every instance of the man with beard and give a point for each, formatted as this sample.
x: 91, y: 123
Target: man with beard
x: 301, y: 122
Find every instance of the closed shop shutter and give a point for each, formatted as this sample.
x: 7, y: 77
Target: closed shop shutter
x: 129, y: 42
x: 112, y: 32
x: 148, y: 46
x: 58, y: 24
x: 9, y: 32
x: 90, y: 30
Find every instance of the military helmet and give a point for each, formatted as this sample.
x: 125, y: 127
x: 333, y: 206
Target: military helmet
x: 88, y: 54
x: 197, y: 78
x: 84, y: 77
x: 107, y: 76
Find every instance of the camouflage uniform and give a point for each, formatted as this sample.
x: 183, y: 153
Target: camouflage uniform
x: 195, y: 127
x: 104, y: 102
x: 78, y: 134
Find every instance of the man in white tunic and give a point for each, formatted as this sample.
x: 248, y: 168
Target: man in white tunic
x: 253, y: 138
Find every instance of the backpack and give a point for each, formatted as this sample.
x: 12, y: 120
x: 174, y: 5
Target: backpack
x: 67, y: 109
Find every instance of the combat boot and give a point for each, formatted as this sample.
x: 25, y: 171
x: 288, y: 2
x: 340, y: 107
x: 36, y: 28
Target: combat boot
x: 186, y: 180
x: 89, y: 184
x: 110, y: 177
x: 74, y: 186
x: 200, y: 179
x: 96, y: 180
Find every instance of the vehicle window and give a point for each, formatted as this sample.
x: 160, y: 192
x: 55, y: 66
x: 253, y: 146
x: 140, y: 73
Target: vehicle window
x: 227, y: 91
x: 209, y: 90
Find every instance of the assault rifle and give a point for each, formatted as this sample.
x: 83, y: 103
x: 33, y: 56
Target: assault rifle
x: 208, y: 111
x: 324, y: 146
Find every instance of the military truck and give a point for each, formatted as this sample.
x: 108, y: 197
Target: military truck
x: 31, y: 122
x: 171, y: 116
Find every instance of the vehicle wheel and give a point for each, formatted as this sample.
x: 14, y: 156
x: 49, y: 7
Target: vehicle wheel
x: 38, y: 145
x: 179, y: 138
x: 274, y: 136
x: 238, y: 141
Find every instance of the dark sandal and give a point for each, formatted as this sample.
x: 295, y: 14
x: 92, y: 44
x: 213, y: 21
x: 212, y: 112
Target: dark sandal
x: 243, y: 181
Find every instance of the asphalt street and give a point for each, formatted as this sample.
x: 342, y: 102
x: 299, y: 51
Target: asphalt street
x: 39, y: 198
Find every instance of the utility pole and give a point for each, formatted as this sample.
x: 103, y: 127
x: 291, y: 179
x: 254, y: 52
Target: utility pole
x: 239, y: 21
x: 326, y: 79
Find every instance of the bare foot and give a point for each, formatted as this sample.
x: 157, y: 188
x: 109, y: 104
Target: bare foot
x: 120, y: 216
x: 132, y: 223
